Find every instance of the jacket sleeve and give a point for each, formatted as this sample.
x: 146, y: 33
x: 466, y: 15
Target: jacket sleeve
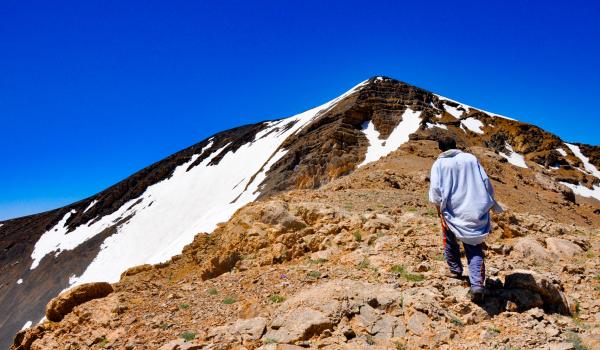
x: 490, y: 190
x: 435, y: 193
x: 486, y: 180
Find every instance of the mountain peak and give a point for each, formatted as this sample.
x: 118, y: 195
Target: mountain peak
x: 152, y: 215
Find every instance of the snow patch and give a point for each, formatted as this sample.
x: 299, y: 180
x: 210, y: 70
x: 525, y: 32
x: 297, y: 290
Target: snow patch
x: 26, y: 325
x: 589, y: 167
x: 91, y: 205
x: 20, y: 281
x: 562, y: 152
x: 513, y: 157
x: 187, y: 203
x: 583, y: 191
x: 436, y: 125
x: 379, y: 148
x: 56, y: 239
x: 475, y: 125
x: 454, y: 111
x: 467, y: 108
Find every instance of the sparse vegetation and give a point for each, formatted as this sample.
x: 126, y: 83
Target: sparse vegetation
x: 269, y: 341
x: 317, y: 261
x: 314, y: 274
x: 229, y: 300
x: 363, y: 264
x: 576, y: 341
x: 357, y: 236
x: 401, y: 271
x: 184, y: 306
x: 213, y: 291
x: 276, y: 298
x: 399, y: 346
x: 188, y: 336
x: 102, y: 342
x: 457, y: 322
x: 494, y: 329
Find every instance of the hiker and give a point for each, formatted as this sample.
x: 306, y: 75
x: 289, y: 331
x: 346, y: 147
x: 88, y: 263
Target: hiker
x: 463, y: 196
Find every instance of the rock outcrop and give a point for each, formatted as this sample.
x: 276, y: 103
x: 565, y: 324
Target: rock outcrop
x: 58, y: 307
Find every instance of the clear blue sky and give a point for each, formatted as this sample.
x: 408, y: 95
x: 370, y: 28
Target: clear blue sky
x: 92, y: 91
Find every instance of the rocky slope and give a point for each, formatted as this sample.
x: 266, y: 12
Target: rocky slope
x: 308, y: 263
x: 357, y: 264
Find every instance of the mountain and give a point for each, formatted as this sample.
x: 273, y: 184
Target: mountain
x: 151, y: 216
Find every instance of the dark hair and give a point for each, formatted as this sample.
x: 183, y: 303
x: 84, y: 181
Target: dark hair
x: 446, y: 142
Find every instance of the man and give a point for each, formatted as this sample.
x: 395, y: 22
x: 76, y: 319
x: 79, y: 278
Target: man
x: 463, y: 195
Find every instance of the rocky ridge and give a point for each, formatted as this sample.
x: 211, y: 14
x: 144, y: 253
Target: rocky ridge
x: 357, y: 264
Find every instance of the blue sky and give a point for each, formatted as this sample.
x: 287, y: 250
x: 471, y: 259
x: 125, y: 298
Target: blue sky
x: 92, y: 91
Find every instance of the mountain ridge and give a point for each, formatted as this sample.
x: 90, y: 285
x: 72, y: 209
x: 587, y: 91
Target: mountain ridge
x: 305, y: 151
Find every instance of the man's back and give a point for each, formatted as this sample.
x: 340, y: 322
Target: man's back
x: 462, y: 189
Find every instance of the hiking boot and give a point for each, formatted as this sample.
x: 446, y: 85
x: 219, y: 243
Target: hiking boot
x: 455, y: 275
x: 477, y: 294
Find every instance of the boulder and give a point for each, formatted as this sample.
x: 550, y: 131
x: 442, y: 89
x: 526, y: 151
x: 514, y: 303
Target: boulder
x: 240, y: 331
x: 378, y: 222
x: 25, y: 338
x: 276, y: 213
x: 63, y: 304
x: 137, y: 269
x: 547, y: 287
x: 418, y: 323
x: 563, y: 248
x: 321, y: 307
x: 298, y: 324
x: 530, y: 248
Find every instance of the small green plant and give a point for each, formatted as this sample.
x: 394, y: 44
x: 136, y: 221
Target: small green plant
x: 314, y: 274
x: 597, y: 277
x: 188, y: 336
x: 397, y: 269
x: 597, y: 289
x: 580, y: 233
x: 317, y: 261
x: 577, y: 309
x: 399, y: 346
x: 576, y: 341
x: 431, y: 213
x: 269, y: 341
x: 102, y: 342
x: 439, y: 257
x: 164, y: 326
x: 494, y: 329
x: 213, y: 291
x: 229, y: 300
x: 457, y: 322
x: 276, y: 298
x: 363, y: 264
x: 401, y: 271
x: 184, y: 306
x: 357, y: 236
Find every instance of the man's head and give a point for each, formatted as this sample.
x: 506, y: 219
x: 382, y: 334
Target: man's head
x: 446, y: 142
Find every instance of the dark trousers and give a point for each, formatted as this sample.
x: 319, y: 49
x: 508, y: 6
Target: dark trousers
x: 475, y: 258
